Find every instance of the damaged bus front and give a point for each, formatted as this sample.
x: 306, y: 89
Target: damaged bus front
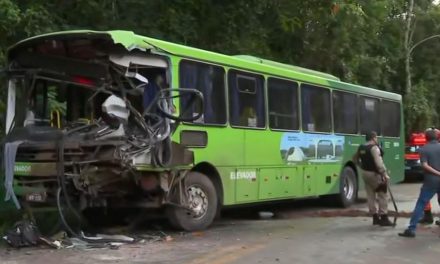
x: 89, y: 122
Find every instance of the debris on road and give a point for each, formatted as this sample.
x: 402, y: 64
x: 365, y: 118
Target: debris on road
x: 52, y: 243
x: 23, y: 234
x: 265, y: 215
x: 26, y: 234
x: 198, y: 234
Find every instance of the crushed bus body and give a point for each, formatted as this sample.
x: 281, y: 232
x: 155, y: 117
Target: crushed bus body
x: 80, y: 137
x: 116, y: 120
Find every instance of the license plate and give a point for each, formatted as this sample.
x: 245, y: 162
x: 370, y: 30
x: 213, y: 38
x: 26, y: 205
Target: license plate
x: 407, y: 168
x: 36, y: 197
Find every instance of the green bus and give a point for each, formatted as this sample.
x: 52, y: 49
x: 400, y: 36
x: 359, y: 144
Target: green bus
x: 117, y: 120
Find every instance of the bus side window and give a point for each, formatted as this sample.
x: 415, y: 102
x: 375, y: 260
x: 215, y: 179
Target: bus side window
x: 246, y: 97
x: 210, y: 80
x: 283, y: 104
x: 315, y: 102
x: 369, y: 114
x: 390, y: 118
x: 345, y: 112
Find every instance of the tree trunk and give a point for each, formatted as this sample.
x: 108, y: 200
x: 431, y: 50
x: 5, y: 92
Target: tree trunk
x: 409, y: 14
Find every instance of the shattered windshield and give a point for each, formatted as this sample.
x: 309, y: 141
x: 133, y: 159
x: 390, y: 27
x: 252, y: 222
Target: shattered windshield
x: 52, y: 103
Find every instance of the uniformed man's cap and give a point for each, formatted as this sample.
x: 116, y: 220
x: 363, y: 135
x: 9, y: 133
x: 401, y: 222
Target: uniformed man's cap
x: 370, y: 135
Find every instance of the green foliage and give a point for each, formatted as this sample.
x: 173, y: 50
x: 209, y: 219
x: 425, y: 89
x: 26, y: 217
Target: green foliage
x: 54, y: 104
x: 420, y: 110
x: 358, y: 41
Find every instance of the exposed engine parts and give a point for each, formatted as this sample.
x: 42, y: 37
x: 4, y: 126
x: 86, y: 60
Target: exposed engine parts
x: 99, y: 140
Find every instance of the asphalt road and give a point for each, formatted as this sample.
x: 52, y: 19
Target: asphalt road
x: 299, y: 232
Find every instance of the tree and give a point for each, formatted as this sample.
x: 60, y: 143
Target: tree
x: 364, y: 42
x: 408, y: 40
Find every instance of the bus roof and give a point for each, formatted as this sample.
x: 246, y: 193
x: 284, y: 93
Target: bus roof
x: 132, y: 41
x: 288, y: 67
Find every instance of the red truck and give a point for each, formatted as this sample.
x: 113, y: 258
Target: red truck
x: 413, y: 168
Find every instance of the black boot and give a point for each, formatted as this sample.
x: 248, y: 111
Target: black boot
x: 384, y: 221
x: 407, y: 233
x: 427, y: 218
x: 376, y: 219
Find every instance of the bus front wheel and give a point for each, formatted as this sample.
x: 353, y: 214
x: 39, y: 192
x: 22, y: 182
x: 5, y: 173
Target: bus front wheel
x: 348, y: 187
x: 202, y: 203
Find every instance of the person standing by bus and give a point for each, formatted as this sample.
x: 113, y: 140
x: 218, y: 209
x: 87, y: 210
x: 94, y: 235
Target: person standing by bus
x: 428, y: 218
x: 374, y: 174
x: 430, y: 159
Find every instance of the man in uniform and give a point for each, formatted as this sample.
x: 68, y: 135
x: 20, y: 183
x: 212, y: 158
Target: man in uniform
x: 374, y: 174
x: 430, y: 159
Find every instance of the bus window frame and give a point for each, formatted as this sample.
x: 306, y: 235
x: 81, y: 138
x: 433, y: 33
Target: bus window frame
x: 225, y: 90
x: 248, y: 78
x: 264, y: 79
x: 400, y: 118
x: 357, y: 113
x: 379, y: 131
x: 227, y: 68
x: 298, y: 101
x: 330, y: 106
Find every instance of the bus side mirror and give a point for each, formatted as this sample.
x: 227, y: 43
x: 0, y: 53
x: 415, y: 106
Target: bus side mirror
x: 189, y: 95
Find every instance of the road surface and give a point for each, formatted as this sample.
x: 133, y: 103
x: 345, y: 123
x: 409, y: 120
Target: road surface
x: 299, y: 232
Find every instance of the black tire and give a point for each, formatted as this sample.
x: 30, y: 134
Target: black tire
x: 348, y: 188
x: 200, y: 187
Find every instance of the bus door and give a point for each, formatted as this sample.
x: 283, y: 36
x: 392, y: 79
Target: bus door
x: 247, y: 114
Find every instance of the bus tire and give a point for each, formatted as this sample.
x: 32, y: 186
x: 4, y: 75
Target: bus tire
x: 348, y: 187
x: 203, y: 199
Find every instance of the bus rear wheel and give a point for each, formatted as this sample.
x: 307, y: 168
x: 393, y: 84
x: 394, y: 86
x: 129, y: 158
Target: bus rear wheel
x: 348, y: 187
x: 202, y: 203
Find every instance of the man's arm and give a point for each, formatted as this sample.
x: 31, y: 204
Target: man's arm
x: 355, y: 158
x: 430, y: 169
x: 381, y: 169
x: 424, y: 160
